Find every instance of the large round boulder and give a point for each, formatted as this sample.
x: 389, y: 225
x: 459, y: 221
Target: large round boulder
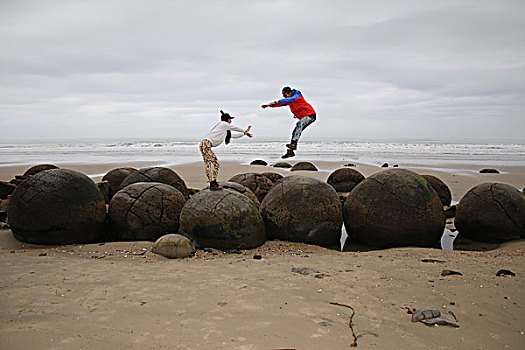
x: 302, y: 209
x: 394, y: 208
x: 173, y: 246
x: 114, y: 178
x: 441, y: 189
x: 241, y: 189
x: 157, y: 174
x: 258, y: 183
x: 57, y: 206
x: 491, y: 212
x: 224, y: 220
x: 145, y: 211
x: 344, y: 179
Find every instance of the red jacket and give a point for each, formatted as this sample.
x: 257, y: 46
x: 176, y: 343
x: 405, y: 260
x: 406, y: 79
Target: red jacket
x: 298, y: 105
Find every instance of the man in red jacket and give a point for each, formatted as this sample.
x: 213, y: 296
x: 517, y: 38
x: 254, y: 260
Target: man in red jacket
x: 301, y: 110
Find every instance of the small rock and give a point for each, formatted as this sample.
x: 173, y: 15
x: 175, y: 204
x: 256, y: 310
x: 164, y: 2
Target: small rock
x: 432, y: 261
x: 304, y: 166
x: 173, y: 246
x: 42, y: 254
x: 447, y: 272
x: 350, y: 165
x: 504, y: 272
x: 385, y: 165
x: 257, y: 257
x: 282, y: 165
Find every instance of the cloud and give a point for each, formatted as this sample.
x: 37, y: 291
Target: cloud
x: 164, y: 68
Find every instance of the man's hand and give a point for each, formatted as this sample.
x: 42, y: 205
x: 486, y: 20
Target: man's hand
x: 247, y: 132
x: 249, y: 135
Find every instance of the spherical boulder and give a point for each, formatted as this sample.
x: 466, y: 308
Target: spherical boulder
x: 173, y: 246
x: 441, y: 189
x: 259, y: 162
x: 344, y: 179
x: 145, y: 211
x: 302, y: 209
x: 241, y: 189
x: 114, y: 178
x: 274, y: 177
x: 223, y: 219
x: 394, y: 208
x: 57, y: 206
x: 304, y: 166
x: 157, y: 174
x: 258, y: 183
x: 491, y: 212
x: 38, y: 168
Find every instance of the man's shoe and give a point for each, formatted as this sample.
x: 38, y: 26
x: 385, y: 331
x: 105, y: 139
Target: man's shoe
x: 288, y: 154
x: 214, y: 186
x: 292, y: 145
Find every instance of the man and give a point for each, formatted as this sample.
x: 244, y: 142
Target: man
x: 301, y: 110
x: 219, y: 133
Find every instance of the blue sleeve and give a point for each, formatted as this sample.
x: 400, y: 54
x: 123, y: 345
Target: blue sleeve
x: 291, y: 99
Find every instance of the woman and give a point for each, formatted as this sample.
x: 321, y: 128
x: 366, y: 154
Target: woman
x: 220, y: 132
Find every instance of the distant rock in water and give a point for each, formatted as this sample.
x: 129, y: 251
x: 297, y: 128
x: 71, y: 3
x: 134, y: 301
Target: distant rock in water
x: 344, y: 179
x: 38, y: 168
x: 350, y: 165
x: 489, y: 171
x: 157, y: 174
x: 385, y: 165
x: 259, y: 162
x: 223, y: 220
x: 304, y: 166
x: 491, y: 212
x: 57, y: 206
x: 441, y: 189
x: 282, y: 165
x: 258, y: 183
x: 302, y: 209
x: 394, y: 208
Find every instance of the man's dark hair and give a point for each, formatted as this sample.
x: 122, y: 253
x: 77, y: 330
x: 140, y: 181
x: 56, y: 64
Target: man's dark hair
x: 287, y: 89
x: 225, y: 116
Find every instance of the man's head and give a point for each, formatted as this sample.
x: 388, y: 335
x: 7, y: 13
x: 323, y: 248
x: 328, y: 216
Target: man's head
x: 225, y: 117
x: 287, y: 91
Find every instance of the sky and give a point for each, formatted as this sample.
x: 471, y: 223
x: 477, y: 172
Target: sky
x: 439, y: 70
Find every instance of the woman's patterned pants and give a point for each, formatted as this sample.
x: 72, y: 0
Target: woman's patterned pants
x: 210, y: 160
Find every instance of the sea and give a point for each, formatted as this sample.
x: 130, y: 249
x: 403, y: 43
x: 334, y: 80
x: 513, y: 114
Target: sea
x: 171, y: 152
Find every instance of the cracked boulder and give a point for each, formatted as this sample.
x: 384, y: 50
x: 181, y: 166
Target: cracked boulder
x: 258, y: 183
x: 157, y: 174
x: 114, y: 178
x: 241, y: 189
x: 303, y: 209
x: 441, y: 189
x: 344, y: 179
x: 394, y: 208
x: 57, y: 206
x: 145, y: 211
x: 223, y: 220
x: 491, y: 212
x: 274, y: 177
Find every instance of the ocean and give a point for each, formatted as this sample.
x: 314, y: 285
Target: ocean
x: 171, y: 152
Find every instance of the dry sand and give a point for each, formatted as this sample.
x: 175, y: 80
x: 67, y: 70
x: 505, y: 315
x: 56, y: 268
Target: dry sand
x: 122, y: 296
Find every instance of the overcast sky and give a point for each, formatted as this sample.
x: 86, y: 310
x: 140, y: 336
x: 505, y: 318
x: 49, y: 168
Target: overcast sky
x: 372, y: 69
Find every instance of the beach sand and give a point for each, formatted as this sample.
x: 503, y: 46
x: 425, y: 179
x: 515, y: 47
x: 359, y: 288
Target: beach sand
x: 121, y: 296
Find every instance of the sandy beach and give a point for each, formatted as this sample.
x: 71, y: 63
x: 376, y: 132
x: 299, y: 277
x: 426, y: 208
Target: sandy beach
x: 122, y: 296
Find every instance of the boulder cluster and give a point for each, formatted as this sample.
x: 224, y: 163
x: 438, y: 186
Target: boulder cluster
x: 392, y: 208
